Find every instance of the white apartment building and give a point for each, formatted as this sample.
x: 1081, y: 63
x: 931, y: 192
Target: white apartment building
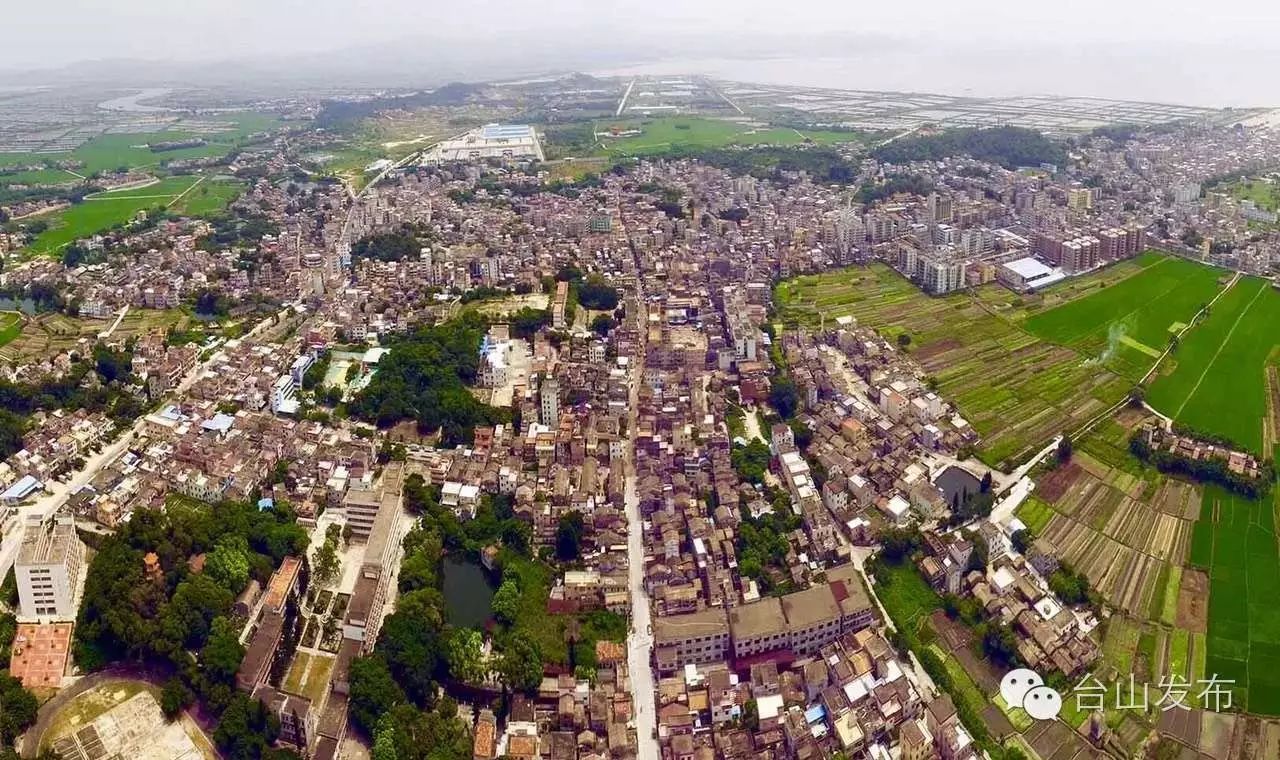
x: 47, y: 570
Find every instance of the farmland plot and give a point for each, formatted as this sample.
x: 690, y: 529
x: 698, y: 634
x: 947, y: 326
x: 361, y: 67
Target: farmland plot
x: 1128, y: 324
x: 1015, y: 389
x: 1243, y: 640
x: 1219, y: 382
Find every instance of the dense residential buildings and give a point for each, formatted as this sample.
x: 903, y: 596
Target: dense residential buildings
x: 717, y: 480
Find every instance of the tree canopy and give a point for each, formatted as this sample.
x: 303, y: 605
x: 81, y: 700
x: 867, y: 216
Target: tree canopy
x: 425, y: 378
x: 1010, y: 147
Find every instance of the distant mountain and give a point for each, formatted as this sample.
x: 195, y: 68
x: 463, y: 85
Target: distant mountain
x: 425, y: 62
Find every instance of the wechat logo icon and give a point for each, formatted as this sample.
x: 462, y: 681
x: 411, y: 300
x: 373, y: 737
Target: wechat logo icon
x: 1025, y: 688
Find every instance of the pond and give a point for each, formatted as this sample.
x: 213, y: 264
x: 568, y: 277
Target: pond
x: 957, y: 484
x: 25, y: 305
x: 468, y: 595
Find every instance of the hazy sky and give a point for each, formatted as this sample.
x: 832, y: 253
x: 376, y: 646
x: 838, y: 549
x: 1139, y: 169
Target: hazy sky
x: 47, y: 33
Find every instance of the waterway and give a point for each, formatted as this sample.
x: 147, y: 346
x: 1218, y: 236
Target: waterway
x: 1195, y: 75
x: 468, y: 594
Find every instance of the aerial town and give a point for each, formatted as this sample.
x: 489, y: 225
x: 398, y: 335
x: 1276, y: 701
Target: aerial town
x: 510, y: 453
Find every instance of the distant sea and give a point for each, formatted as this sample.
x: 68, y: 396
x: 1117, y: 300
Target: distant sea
x: 1205, y: 76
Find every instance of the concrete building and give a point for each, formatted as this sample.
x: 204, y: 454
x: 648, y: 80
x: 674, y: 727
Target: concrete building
x: 698, y: 637
x: 1028, y: 274
x: 283, y: 400
x: 549, y: 402
x: 48, y: 570
x: 500, y: 141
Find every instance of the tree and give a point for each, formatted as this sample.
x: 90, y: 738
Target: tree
x: 1137, y: 397
x: 411, y: 642
x: 783, y: 396
x: 904, y: 340
x: 464, y: 653
x: 751, y: 461
x: 373, y: 691
x: 327, y: 562
x: 18, y: 708
x: 506, y: 602
x: 602, y: 324
x: 174, y: 697
x: 569, y: 536
x: 899, y: 542
x: 1064, y: 449
x: 1021, y: 540
x: 246, y: 730
x: 384, y: 739
x: 985, y: 485
x: 1001, y: 645
x: 520, y: 666
x: 228, y: 563
x: 801, y: 433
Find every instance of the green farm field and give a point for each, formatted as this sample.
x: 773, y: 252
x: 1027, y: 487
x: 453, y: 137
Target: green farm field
x: 1244, y: 620
x: 39, y: 177
x: 209, y: 197
x: 1218, y: 384
x: 108, y: 152
x: 10, y: 326
x: 1129, y: 323
x: 1262, y: 192
x: 665, y: 134
x: 102, y: 211
x: 1016, y: 389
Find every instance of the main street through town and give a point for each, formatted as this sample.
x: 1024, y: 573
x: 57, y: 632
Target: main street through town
x: 640, y: 638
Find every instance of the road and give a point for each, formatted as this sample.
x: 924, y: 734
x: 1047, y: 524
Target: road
x: 622, y: 104
x: 56, y: 493
x: 640, y: 638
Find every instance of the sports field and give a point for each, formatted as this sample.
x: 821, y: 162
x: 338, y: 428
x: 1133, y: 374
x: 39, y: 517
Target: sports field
x: 662, y: 135
x: 1014, y: 388
x: 1244, y: 586
x: 102, y: 211
x: 1219, y: 383
x: 1129, y: 323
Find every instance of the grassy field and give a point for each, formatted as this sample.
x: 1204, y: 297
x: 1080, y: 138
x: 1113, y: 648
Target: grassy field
x: 102, y: 211
x: 1265, y: 194
x: 211, y: 197
x: 1014, y: 388
x: 665, y: 134
x: 38, y: 177
x: 1128, y: 324
x: 1218, y: 384
x: 1035, y: 514
x: 10, y: 326
x: 1244, y: 620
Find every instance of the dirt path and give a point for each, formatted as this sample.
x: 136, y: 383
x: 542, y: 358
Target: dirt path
x: 183, y: 194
